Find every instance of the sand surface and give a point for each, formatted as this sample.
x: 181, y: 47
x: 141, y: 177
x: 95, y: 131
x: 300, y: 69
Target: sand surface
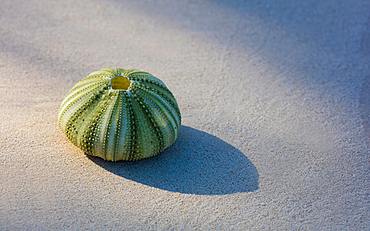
x: 275, y: 101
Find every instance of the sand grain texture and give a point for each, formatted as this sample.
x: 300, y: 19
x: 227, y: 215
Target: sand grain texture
x: 274, y: 100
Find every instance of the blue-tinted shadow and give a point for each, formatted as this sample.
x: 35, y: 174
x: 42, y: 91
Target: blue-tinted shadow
x: 197, y: 163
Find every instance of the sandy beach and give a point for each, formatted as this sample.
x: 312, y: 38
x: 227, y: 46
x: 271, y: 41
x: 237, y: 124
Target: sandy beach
x: 275, y: 104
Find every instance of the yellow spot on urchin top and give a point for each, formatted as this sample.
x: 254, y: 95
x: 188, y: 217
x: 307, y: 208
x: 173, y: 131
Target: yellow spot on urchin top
x: 120, y: 83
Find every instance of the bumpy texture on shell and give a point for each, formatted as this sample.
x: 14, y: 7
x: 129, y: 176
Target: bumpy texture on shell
x: 135, y: 119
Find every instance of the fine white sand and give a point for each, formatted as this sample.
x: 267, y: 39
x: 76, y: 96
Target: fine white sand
x: 275, y: 100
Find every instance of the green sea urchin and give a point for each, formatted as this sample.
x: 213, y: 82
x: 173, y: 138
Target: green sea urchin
x: 119, y: 114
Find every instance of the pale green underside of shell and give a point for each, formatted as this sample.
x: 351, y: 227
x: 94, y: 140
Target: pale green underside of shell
x: 131, y: 124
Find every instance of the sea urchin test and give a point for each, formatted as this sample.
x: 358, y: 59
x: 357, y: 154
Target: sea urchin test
x: 119, y: 114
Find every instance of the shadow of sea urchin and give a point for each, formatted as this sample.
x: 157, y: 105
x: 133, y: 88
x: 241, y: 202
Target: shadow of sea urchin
x: 119, y: 114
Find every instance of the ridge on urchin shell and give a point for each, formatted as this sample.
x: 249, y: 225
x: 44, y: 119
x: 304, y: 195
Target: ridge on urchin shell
x: 119, y: 114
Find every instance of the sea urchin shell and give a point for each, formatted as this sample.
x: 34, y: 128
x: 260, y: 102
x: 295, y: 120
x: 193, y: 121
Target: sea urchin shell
x: 119, y: 114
